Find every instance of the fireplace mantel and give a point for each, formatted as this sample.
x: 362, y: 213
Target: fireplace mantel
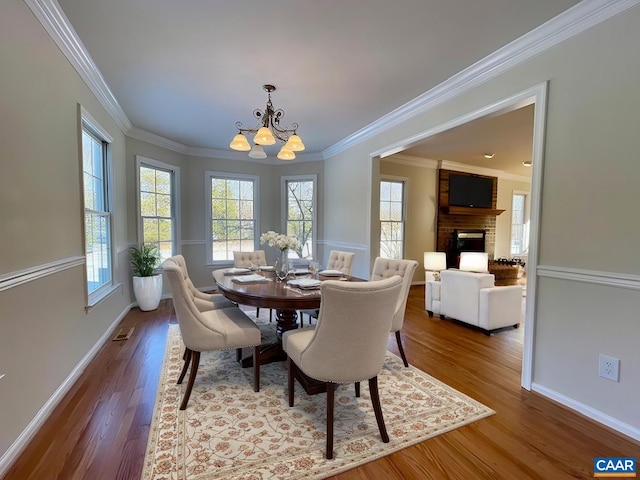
x: 470, y: 211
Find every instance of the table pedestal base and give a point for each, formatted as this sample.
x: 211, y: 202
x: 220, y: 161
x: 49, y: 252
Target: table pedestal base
x: 273, y: 352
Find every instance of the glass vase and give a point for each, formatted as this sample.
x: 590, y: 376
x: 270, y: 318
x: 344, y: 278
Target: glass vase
x: 281, y: 266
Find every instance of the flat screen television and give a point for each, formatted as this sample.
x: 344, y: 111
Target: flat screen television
x: 470, y: 191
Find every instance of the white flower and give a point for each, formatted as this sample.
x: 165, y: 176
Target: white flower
x: 280, y: 241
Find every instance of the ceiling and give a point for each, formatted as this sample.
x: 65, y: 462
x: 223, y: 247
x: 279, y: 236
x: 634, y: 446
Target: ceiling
x: 508, y: 137
x: 187, y: 71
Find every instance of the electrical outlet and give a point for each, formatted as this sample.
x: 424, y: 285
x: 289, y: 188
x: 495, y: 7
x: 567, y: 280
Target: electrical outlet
x: 609, y: 368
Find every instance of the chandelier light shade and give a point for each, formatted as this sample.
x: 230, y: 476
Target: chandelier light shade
x: 264, y: 137
x: 268, y: 133
x: 257, y: 152
x: 240, y: 143
x: 286, y: 154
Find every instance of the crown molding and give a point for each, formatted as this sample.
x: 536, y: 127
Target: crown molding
x: 568, y: 24
x: 421, y: 162
x: 145, y: 136
x: 489, y: 172
x: 413, y: 161
x: 56, y: 23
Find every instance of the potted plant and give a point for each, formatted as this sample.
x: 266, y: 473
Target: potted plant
x: 147, y: 284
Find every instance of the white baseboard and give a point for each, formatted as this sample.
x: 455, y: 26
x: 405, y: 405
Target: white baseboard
x: 14, y: 451
x: 588, y: 411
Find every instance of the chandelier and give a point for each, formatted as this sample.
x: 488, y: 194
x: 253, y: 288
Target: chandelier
x: 268, y: 133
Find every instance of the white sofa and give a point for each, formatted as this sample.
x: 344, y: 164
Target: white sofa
x: 472, y: 298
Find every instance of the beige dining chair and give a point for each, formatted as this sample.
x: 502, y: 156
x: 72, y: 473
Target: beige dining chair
x: 250, y: 259
x: 384, y: 268
x: 203, y: 301
x: 348, y: 343
x: 338, y: 260
x: 342, y: 261
x: 220, y: 329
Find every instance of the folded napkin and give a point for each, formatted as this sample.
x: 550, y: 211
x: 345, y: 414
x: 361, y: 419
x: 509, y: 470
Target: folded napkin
x: 237, y: 271
x: 306, y: 283
x: 253, y: 278
x: 331, y: 273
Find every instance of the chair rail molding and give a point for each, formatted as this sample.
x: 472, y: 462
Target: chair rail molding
x: 13, y: 279
x: 610, y: 279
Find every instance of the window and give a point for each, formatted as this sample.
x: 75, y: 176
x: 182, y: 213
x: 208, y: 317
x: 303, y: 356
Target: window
x: 299, y: 215
x: 232, y: 213
x: 158, y: 185
x: 519, y: 224
x: 392, y: 217
x: 97, y: 210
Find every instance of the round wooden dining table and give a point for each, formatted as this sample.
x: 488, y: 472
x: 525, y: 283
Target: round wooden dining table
x: 273, y: 294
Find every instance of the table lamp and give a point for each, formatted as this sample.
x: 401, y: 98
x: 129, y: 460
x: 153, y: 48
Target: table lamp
x: 434, y: 262
x: 474, y: 262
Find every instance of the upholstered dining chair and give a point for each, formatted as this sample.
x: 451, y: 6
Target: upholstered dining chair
x: 384, y: 268
x: 203, y: 301
x: 348, y: 343
x: 342, y: 261
x: 249, y: 259
x: 220, y: 329
x: 338, y: 260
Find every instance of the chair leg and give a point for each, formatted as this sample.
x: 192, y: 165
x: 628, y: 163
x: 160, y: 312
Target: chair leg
x: 330, y: 400
x: 238, y: 354
x: 195, y: 361
x: 375, y: 401
x: 270, y: 315
x: 257, y: 312
x: 256, y: 368
x: 357, y: 389
x: 185, y: 367
x: 290, y: 379
x: 399, y: 341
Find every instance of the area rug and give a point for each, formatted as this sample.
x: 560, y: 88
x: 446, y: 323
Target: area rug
x: 230, y: 432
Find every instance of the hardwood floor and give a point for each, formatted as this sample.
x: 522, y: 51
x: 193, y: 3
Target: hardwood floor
x: 99, y: 431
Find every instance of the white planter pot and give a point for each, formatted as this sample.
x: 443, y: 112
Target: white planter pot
x: 148, y: 291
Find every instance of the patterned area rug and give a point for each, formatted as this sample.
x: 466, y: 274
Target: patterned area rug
x: 230, y: 432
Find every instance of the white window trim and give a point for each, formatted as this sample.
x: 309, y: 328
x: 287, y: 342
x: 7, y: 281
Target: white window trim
x: 283, y: 204
x: 97, y: 296
x: 140, y: 160
x: 405, y: 203
x: 526, y: 219
x: 256, y: 212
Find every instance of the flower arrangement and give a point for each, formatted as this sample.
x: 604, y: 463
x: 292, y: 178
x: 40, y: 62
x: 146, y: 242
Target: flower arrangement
x: 280, y: 241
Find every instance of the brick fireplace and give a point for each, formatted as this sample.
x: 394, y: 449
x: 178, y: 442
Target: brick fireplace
x: 454, y: 221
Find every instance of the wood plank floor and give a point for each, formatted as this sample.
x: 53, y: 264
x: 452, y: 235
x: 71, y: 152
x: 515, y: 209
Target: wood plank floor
x: 99, y: 431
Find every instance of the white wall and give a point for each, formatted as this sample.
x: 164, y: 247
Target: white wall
x: 589, y: 202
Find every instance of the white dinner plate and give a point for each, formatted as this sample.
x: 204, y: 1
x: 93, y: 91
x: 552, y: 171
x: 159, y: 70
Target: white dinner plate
x: 331, y: 273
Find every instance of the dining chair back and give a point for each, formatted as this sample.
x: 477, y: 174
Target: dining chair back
x: 248, y: 259
x: 342, y: 261
x: 203, y: 301
x: 348, y: 343
x: 387, y: 267
x: 220, y: 329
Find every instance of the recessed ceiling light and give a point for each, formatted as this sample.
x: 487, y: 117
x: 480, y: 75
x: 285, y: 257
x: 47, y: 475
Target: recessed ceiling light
x: 489, y: 155
x: 527, y: 163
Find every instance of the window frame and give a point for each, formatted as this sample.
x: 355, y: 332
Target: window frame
x: 525, y: 224
x: 89, y: 125
x: 211, y: 174
x: 175, y: 199
x: 405, y: 187
x: 284, y: 212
